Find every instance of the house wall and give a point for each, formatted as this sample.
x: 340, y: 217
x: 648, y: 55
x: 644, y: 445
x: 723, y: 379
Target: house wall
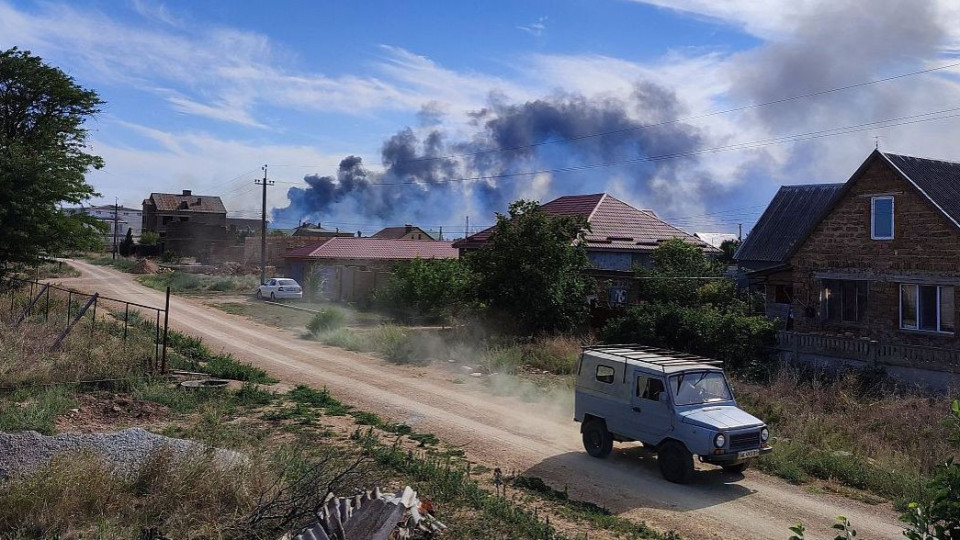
x: 926, y: 246
x: 617, y: 260
x: 348, y: 280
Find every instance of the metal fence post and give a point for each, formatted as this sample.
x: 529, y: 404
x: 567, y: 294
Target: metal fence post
x: 46, y: 310
x: 166, y: 323
x: 156, y: 343
x: 126, y: 316
x: 69, y: 304
x: 93, y: 320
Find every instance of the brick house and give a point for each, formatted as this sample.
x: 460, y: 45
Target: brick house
x: 186, y: 223
x: 881, y: 264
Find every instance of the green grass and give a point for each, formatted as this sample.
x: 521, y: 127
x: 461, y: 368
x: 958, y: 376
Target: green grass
x: 183, y: 282
x: 35, y: 409
x: 190, y: 354
x: 120, y: 263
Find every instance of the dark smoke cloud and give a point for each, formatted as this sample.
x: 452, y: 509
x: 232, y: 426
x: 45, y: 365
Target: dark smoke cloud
x: 419, y: 165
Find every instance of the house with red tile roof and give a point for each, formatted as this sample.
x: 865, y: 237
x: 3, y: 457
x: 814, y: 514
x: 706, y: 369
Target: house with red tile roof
x: 351, y: 269
x: 620, y: 238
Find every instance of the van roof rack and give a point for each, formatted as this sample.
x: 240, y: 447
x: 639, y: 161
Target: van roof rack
x: 662, y: 358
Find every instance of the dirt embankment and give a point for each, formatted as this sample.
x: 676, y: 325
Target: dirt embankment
x: 503, y: 431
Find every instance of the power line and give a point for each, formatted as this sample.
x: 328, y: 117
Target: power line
x: 687, y: 118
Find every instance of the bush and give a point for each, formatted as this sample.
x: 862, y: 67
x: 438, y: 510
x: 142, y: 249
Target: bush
x: 434, y: 289
x: 346, y: 339
x: 743, y: 342
x: 395, y: 345
x: 328, y: 318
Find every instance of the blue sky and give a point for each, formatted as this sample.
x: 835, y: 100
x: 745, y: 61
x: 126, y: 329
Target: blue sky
x: 201, y: 94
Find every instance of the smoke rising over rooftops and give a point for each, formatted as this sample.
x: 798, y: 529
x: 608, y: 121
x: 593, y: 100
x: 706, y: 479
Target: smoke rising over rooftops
x: 423, y: 171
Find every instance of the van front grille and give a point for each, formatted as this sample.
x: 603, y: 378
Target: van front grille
x: 744, y: 441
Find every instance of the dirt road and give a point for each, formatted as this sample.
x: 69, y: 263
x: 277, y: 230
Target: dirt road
x: 506, y: 432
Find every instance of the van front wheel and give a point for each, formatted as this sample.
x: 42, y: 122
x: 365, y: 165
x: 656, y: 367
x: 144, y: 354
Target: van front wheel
x: 676, y: 462
x: 597, y: 441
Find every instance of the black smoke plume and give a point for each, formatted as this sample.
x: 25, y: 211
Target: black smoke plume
x: 423, y: 174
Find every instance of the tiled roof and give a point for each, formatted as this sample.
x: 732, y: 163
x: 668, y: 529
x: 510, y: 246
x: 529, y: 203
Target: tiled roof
x: 394, y: 233
x: 938, y: 180
x: 169, y: 202
x: 374, y: 248
x: 788, y: 219
x: 614, y: 224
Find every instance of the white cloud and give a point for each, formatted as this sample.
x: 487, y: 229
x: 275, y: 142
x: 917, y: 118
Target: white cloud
x: 535, y: 29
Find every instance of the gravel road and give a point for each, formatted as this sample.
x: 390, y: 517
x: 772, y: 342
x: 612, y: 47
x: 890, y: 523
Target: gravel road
x: 507, y: 432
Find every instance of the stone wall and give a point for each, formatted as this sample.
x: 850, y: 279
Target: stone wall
x: 925, y: 247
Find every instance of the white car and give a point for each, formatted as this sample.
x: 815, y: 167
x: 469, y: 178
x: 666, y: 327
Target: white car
x: 280, y: 288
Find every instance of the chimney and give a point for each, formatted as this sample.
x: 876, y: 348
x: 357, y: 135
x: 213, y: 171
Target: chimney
x: 408, y: 228
x: 187, y: 193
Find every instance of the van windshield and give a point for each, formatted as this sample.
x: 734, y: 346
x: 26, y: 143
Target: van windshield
x: 695, y: 387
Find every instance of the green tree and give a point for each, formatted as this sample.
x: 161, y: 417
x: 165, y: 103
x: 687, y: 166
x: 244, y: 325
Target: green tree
x: 42, y: 160
x: 677, y: 275
x: 436, y: 289
x: 530, y: 273
x: 126, y: 245
x: 149, y: 238
x: 727, y: 250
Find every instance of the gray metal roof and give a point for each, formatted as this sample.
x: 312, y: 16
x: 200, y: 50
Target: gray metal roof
x: 663, y: 360
x: 788, y: 219
x: 938, y: 180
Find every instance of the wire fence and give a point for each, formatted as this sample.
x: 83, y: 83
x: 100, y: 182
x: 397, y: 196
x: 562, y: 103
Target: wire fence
x: 72, y: 312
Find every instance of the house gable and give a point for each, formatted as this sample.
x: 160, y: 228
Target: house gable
x: 925, y: 237
x: 840, y: 252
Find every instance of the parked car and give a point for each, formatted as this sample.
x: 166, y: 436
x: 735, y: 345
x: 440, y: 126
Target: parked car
x: 676, y: 404
x: 280, y: 289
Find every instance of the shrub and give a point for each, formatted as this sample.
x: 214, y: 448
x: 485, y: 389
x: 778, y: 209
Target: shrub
x: 346, y: 339
x: 395, y: 345
x: 742, y: 341
x: 434, y: 289
x: 328, y: 318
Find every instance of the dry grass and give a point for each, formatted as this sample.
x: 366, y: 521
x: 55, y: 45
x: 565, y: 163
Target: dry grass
x: 89, y: 353
x: 186, y: 496
x: 870, y: 438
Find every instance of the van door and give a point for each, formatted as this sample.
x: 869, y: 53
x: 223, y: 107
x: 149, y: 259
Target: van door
x: 652, y: 417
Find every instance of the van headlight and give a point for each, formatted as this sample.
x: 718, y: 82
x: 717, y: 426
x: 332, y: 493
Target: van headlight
x: 719, y: 440
x: 764, y: 434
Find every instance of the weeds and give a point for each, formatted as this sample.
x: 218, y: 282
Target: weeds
x: 327, y: 319
x: 895, y: 443
x: 35, y: 411
x: 183, y: 282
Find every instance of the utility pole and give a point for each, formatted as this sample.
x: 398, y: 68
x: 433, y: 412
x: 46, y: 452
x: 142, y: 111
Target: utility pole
x: 740, y: 232
x: 116, y: 223
x: 466, y: 228
x: 263, y: 225
x: 441, y: 232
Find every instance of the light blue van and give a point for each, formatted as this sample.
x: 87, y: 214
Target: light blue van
x: 677, y: 404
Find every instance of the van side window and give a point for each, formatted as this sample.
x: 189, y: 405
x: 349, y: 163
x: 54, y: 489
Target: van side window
x: 605, y: 374
x: 652, y: 390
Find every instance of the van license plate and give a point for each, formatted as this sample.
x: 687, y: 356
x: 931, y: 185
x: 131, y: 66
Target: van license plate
x: 748, y: 454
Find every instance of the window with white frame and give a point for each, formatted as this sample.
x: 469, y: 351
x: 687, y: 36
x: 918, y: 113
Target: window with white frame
x: 881, y: 218
x: 928, y: 308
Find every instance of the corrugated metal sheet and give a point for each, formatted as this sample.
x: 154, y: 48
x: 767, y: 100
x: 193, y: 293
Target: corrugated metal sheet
x: 792, y: 213
x: 940, y: 180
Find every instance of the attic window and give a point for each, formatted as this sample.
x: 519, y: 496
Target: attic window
x: 881, y: 218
